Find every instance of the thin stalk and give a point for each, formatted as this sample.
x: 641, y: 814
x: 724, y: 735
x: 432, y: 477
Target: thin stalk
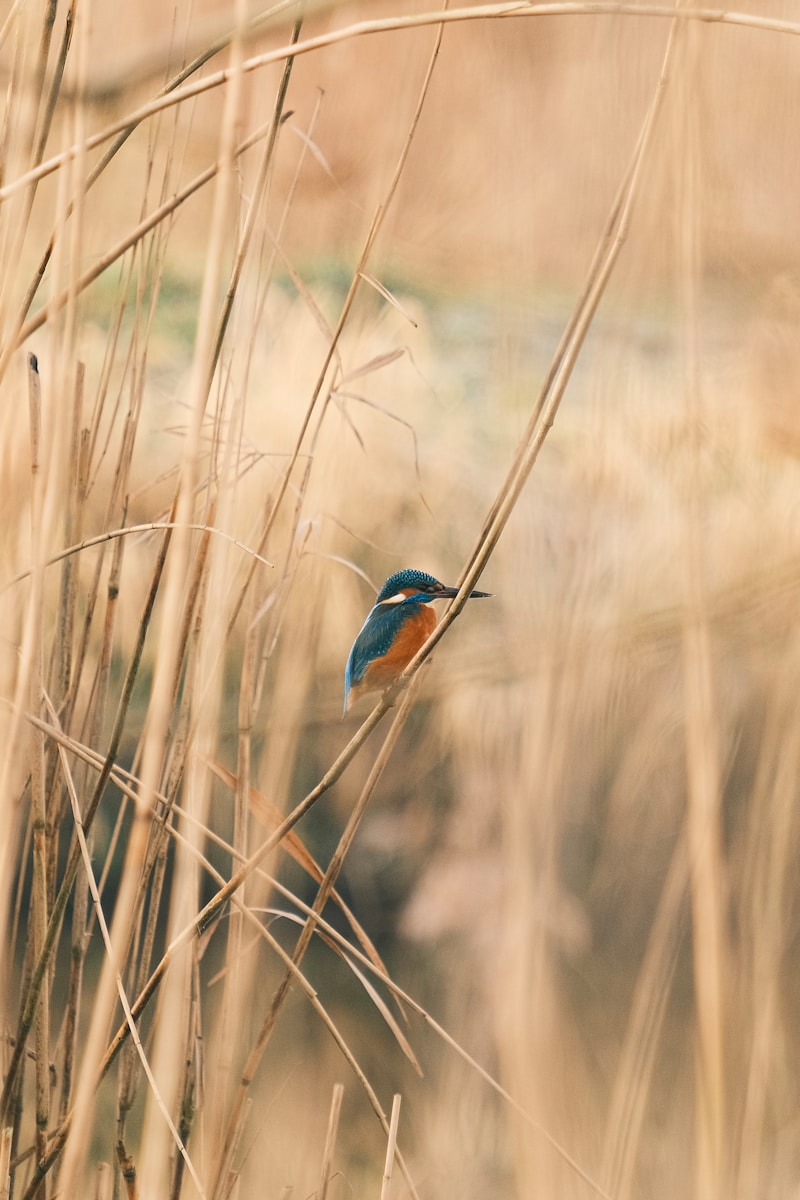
x: 39, y: 889
x: 256, y: 202
x: 708, y: 889
x: 80, y: 927
x: 391, y: 1147
x: 330, y: 1141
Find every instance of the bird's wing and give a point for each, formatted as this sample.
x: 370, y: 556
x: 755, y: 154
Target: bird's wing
x: 372, y: 642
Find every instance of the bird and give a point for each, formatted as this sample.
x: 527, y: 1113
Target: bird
x: 399, y: 622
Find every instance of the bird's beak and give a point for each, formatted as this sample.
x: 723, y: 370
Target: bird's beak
x: 449, y: 592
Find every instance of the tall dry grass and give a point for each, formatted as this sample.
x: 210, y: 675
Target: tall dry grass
x: 290, y: 301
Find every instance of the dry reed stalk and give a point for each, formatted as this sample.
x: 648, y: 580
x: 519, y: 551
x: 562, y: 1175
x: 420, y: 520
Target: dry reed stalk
x: 61, y: 665
x: 236, y: 980
x: 104, y: 1182
x: 330, y: 1141
x: 32, y: 147
x: 80, y: 926
x: 703, y: 748
x: 114, y: 535
x: 763, y: 910
x: 182, y: 897
x: 6, y: 1138
x: 39, y: 887
x: 256, y: 200
x: 391, y: 1146
x: 634, y: 1074
x: 128, y: 1171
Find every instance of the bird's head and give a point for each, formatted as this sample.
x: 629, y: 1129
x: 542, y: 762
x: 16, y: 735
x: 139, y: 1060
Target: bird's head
x: 417, y: 584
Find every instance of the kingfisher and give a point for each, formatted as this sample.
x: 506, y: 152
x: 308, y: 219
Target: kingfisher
x: 400, y: 621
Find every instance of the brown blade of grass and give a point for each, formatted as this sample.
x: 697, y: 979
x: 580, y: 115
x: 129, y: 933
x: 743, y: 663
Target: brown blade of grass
x: 256, y: 201
x: 49, y: 100
x: 633, y: 1076
x: 388, y: 297
x: 43, y: 100
x: 702, y: 723
x: 39, y: 883
x: 762, y: 911
x: 110, y: 535
x: 330, y: 1141
x: 5, y: 1162
x: 391, y: 1146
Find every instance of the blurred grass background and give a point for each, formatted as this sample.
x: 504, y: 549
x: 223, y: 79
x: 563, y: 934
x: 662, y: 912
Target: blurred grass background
x: 581, y: 858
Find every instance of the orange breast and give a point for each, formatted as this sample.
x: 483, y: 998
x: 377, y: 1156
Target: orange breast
x: 412, y: 634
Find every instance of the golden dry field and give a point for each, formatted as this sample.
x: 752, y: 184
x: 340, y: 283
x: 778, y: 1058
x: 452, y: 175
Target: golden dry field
x: 291, y: 299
